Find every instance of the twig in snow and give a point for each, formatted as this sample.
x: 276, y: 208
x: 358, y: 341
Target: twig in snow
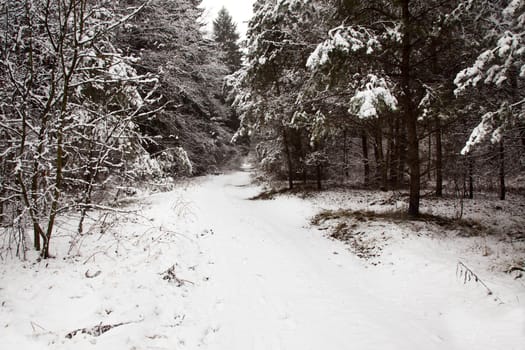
x: 465, y: 273
x: 170, y: 276
x: 35, y: 325
x: 92, y: 275
x: 92, y: 256
x: 96, y: 330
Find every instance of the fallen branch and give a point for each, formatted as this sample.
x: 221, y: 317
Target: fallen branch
x: 95, y: 331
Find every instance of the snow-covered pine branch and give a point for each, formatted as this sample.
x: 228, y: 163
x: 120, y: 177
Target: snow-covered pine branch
x: 375, y: 96
x: 344, y: 40
x: 500, y: 64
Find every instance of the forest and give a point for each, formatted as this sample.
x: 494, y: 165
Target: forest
x: 422, y: 96
x: 98, y: 97
x: 134, y: 142
x: 418, y: 95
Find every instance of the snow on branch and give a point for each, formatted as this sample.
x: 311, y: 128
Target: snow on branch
x: 492, y: 124
x: 493, y: 64
x: 480, y: 132
x: 375, y: 96
x: 110, y: 26
x: 345, y: 40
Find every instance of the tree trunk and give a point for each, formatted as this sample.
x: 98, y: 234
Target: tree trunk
x: 522, y: 134
x: 429, y: 158
x: 319, y: 173
x: 502, y: 188
x: 366, y: 162
x: 304, y: 169
x: 345, y: 154
x: 68, y: 68
x: 288, y: 158
x: 410, y: 114
x: 381, y: 170
x: 402, y: 154
x: 471, y: 178
x: 439, y: 160
x: 392, y: 152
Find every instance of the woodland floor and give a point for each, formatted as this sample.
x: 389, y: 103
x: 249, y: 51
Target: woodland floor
x: 205, y: 267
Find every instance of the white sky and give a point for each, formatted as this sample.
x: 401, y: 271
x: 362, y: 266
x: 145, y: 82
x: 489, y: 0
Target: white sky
x: 240, y: 10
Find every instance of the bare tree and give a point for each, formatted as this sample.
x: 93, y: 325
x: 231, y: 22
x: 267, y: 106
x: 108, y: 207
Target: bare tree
x: 68, y: 98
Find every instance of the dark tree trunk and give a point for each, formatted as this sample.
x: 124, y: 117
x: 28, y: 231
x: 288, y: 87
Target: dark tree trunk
x: 319, y: 175
x: 502, y: 188
x: 402, y: 154
x: 410, y: 113
x: 345, y: 154
x: 429, y: 157
x: 471, y: 178
x: 522, y: 134
x: 439, y: 160
x: 381, y: 170
x: 288, y: 155
x: 305, y: 174
x: 302, y: 152
x: 366, y: 162
x: 393, y: 157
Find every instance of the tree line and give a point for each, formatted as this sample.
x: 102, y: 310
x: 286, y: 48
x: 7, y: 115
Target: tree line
x: 97, y: 96
x: 403, y: 94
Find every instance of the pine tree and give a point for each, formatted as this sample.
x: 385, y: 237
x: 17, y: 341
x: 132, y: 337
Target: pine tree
x: 287, y: 134
x: 168, y: 39
x: 226, y: 35
x: 411, y: 54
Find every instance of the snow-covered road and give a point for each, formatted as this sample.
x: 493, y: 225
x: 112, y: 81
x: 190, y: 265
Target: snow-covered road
x: 276, y: 284
x: 254, y: 276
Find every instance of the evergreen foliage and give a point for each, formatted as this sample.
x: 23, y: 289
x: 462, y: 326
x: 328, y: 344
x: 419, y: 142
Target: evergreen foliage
x: 226, y: 35
x: 334, y: 87
x: 168, y: 39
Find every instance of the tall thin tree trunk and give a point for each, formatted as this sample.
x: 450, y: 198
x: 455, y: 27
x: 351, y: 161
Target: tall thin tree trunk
x: 380, y: 160
x: 392, y: 154
x: 302, y: 153
x: 402, y: 154
x: 502, y: 188
x: 76, y: 15
x: 429, y: 157
x: 522, y: 133
x: 366, y: 161
x: 319, y: 175
x: 439, y: 160
x: 471, y: 178
x: 345, y: 154
x: 410, y: 113
x: 288, y: 155
x: 34, y: 183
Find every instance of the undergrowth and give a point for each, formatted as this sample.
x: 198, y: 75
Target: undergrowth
x: 468, y: 226
x: 300, y: 191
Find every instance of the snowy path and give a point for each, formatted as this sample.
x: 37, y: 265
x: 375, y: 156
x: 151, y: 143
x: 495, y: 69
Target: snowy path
x: 261, y: 279
x: 275, y: 284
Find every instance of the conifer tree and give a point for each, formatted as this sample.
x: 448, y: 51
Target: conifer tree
x: 226, y: 35
x: 168, y: 39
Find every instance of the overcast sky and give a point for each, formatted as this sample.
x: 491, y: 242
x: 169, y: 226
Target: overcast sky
x: 240, y: 10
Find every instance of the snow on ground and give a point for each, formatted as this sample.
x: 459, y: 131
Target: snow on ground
x: 253, y: 275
